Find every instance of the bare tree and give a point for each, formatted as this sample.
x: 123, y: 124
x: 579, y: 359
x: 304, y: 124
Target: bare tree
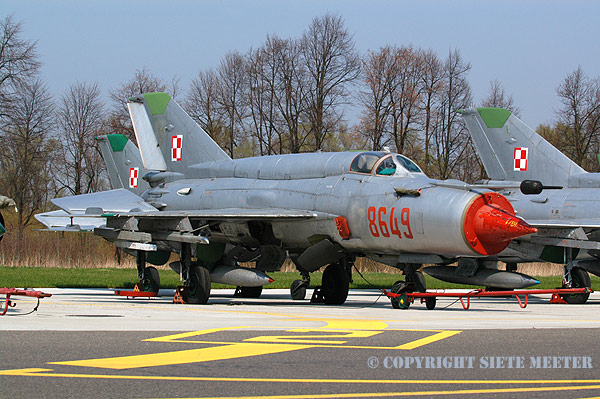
x: 142, y: 82
x: 579, y: 116
x: 432, y: 82
x: 332, y: 63
x: 290, y: 88
x: 80, y: 119
x: 18, y: 61
x: 498, y: 98
x: 450, y: 136
x: 232, y: 105
x: 201, y: 103
x: 378, y: 71
x: 27, y: 150
x: 261, y: 66
x: 405, y: 95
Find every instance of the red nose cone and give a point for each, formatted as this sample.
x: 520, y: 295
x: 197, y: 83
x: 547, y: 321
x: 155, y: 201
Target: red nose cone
x: 490, y: 224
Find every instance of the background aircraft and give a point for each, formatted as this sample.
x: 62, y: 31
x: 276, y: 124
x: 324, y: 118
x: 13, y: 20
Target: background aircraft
x: 320, y: 209
x: 567, y: 219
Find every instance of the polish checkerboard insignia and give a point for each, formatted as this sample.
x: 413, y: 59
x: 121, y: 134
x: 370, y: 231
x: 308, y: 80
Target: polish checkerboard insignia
x: 176, y: 147
x: 521, y: 158
x: 133, y: 177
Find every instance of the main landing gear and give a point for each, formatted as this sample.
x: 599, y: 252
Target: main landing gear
x: 334, y: 285
x: 413, y: 282
x: 196, y: 286
x: 148, y: 277
x: 575, y: 277
x: 298, y: 287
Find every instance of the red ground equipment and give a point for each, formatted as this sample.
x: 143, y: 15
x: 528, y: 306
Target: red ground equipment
x: 20, y: 292
x: 402, y: 300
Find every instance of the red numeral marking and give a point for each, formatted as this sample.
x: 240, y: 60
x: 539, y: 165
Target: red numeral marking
x: 405, y: 220
x: 378, y: 222
x: 394, y: 225
x: 382, y: 225
x: 371, y: 214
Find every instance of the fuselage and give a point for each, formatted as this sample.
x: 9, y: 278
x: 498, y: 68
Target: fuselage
x: 389, y: 205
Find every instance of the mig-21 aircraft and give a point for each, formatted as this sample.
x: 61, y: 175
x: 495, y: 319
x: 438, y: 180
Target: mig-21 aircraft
x: 547, y: 189
x: 318, y: 209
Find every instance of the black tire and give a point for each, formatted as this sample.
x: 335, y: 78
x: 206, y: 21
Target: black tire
x: 197, y: 289
x: 430, y: 302
x: 151, y: 282
x: 298, y: 290
x: 335, y: 285
x: 249, y: 292
x: 398, y: 287
x: 416, y: 282
x: 579, y: 279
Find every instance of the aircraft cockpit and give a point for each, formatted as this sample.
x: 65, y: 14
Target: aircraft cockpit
x: 383, y: 164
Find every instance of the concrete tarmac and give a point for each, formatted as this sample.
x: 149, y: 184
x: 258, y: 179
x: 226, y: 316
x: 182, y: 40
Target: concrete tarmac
x: 89, y: 342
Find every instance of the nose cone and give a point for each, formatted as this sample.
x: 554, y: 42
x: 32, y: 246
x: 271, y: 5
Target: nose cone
x: 490, y: 224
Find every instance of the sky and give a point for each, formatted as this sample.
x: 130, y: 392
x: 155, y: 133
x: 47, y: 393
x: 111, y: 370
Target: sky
x: 529, y: 46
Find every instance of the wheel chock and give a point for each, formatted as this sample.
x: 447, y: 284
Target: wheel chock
x: 557, y: 299
x: 178, y: 298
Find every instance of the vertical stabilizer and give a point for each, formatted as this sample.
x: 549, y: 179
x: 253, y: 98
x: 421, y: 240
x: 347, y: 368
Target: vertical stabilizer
x: 123, y: 162
x: 161, y: 125
x: 512, y: 151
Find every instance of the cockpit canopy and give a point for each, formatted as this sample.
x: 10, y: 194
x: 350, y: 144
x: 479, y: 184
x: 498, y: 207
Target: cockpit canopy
x: 383, y: 164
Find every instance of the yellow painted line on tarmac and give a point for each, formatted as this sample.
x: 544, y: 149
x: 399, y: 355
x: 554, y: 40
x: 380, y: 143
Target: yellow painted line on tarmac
x: 409, y: 393
x: 349, y: 324
x: 41, y: 372
x: 178, y: 337
x: 319, y: 339
x: 428, y: 340
x: 223, y: 352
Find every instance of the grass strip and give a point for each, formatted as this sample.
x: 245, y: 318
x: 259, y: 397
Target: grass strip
x: 54, y: 277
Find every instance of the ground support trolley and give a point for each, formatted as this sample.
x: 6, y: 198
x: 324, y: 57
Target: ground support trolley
x: 402, y: 300
x: 8, y: 292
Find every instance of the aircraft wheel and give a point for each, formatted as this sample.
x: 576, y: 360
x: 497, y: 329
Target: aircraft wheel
x: 335, y: 284
x: 298, y: 290
x: 197, y: 288
x: 248, y: 292
x: 151, y: 282
x: 398, y: 287
x: 579, y: 279
x: 417, y: 280
x: 430, y: 302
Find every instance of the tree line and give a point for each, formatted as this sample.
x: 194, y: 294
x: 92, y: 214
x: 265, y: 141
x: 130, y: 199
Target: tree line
x: 289, y: 95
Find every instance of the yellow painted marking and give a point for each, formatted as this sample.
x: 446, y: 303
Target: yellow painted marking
x: 427, y: 340
x: 39, y: 372
x: 178, y: 337
x: 409, y: 393
x: 351, y: 324
x: 255, y: 346
x: 315, y: 339
x: 230, y: 351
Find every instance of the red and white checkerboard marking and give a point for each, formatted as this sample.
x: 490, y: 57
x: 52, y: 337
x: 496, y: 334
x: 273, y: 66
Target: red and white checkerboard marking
x: 176, y: 147
x: 133, y: 177
x: 521, y: 158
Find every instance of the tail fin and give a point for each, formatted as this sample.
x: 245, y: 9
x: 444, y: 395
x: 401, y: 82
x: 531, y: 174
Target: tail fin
x: 123, y: 162
x: 169, y: 139
x: 511, y: 150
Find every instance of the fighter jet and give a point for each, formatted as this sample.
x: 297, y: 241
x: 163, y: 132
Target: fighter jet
x: 317, y: 209
x: 547, y: 189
